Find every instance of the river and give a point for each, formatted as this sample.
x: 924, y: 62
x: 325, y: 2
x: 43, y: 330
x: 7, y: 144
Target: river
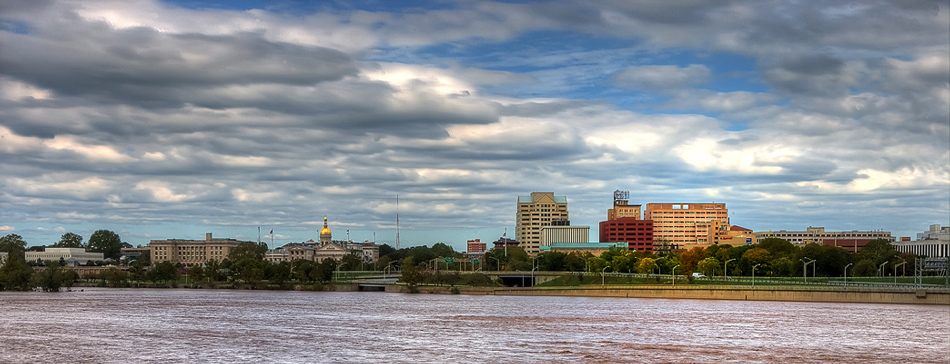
x: 101, y: 325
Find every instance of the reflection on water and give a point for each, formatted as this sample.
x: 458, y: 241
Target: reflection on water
x: 139, y: 325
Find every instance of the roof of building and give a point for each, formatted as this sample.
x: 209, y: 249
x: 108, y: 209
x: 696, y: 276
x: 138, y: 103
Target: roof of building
x: 528, y: 199
x: 583, y: 246
x: 738, y: 228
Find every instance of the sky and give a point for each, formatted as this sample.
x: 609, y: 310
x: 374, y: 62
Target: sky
x: 162, y: 120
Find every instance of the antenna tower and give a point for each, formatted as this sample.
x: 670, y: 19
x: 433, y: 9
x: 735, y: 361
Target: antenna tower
x: 397, y: 222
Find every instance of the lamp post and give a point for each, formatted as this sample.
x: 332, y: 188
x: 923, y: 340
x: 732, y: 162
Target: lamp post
x: 674, y: 274
x: 603, y: 277
x: 753, y: 275
x: 895, y: 269
x: 880, y: 269
x: 846, y: 273
x: 725, y: 271
x: 805, y: 268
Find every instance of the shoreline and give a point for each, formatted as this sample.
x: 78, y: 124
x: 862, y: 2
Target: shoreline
x: 921, y: 296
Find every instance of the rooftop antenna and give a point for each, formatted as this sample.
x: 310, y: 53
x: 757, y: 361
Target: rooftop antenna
x: 397, y: 221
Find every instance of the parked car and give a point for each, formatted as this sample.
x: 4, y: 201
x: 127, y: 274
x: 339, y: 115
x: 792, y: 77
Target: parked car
x: 699, y: 275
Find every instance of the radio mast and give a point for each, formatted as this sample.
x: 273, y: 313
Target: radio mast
x: 397, y: 222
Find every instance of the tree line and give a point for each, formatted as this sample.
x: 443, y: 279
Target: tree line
x: 441, y: 264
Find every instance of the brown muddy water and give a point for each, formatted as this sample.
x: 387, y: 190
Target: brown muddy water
x: 224, y: 326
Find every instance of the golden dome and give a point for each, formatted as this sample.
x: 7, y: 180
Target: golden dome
x: 326, y: 230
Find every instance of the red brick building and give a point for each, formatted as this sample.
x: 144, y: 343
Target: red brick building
x: 638, y: 234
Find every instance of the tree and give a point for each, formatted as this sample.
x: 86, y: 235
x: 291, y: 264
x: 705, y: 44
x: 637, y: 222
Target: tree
x: 690, y: 258
x: 49, y: 279
x: 443, y: 250
x: 196, y: 273
x: 164, y: 271
x: 281, y: 273
x: 410, y: 274
x: 709, y: 266
x: 325, y: 270
x: 248, y: 249
x: 756, y: 256
x: 647, y: 265
x: 69, y: 240
x: 106, y: 242
x: 15, y: 274
x: 878, y: 251
x: 12, y: 243
x: 114, y: 276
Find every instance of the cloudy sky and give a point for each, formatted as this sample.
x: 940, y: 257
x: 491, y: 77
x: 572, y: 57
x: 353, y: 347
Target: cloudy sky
x: 171, y: 119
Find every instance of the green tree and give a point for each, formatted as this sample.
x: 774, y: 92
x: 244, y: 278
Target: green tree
x: 325, y: 270
x: 164, y: 272
x: 12, y: 243
x: 443, y: 250
x: 49, y: 279
x: 248, y: 249
x: 106, y: 242
x: 196, y: 273
x: 646, y: 265
x: 878, y: 251
x: 352, y: 261
x: 864, y: 268
x: 710, y: 266
x: 281, y: 273
x: 15, y: 273
x: 411, y: 275
x: 114, y: 276
x: 69, y: 240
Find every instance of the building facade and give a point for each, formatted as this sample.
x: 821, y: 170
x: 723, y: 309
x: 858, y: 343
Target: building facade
x: 933, y: 243
x: 686, y: 224
x: 564, y: 234
x: 476, y: 247
x: 191, y: 252
x: 622, y: 207
x: 851, y: 241
x: 80, y: 255
x: 535, y: 211
x: 638, y: 234
x: 325, y: 248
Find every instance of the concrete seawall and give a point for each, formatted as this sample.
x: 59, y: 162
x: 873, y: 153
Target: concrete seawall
x: 799, y: 294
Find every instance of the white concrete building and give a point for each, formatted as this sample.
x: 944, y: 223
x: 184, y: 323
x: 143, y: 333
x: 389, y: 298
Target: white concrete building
x: 79, y: 254
x: 931, y: 243
x: 564, y: 234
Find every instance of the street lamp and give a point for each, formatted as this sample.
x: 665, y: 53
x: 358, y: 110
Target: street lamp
x: 846, y: 273
x: 603, y: 277
x: 674, y: 274
x: 725, y: 271
x: 895, y: 269
x: 753, y: 274
x: 805, y: 268
x: 880, y: 269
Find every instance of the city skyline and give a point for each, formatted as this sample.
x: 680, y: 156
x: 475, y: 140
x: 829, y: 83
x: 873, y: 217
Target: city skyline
x: 173, y: 119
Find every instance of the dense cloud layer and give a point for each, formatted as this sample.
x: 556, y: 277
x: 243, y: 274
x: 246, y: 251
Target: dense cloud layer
x: 163, y: 121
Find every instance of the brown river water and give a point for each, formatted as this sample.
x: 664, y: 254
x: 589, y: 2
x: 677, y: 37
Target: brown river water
x: 101, y: 325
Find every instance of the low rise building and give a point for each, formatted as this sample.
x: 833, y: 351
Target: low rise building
x: 933, y: 243
x: 851, y: 241
x: 191, y: 252
x: 737, y: 236
x: 564, y: 234
x: 475, y: 247
x: 326, y: 248
x: 78, y: 255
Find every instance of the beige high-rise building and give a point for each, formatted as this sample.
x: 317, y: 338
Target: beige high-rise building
x: 535, y: 211
x: 685, y: 224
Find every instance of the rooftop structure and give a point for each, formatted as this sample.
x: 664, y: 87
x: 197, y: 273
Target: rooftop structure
x: 851, y: 241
